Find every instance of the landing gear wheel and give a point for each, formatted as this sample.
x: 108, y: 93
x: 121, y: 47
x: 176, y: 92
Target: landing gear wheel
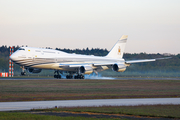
x: 69, y: 76
x: 59, y: 76
x: 79, y: 77
x: 56, y: 75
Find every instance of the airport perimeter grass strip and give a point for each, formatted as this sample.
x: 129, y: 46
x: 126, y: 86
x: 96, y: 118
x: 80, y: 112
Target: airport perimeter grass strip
x: 39, y: 90
x: 29, y: 116
x: 164, y: 111
x: 151, y: 111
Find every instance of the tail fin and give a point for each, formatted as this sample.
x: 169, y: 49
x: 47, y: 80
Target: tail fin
x: 118, y: 49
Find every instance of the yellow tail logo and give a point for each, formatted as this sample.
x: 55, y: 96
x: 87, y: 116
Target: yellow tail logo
x: 119, y: 51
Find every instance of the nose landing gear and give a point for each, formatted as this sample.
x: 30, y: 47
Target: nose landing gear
x: 23, y: 73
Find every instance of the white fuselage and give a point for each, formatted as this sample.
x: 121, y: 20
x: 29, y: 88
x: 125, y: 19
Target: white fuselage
x: 58, y: 60
x: 36, y: 59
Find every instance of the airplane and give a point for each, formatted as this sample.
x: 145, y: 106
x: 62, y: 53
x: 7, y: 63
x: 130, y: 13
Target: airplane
x: 74, y: 65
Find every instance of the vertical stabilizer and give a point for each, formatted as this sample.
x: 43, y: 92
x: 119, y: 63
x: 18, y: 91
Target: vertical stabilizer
x: 118, y: 49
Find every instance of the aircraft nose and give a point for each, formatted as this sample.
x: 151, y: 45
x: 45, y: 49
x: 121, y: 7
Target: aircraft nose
x: 13, y: 57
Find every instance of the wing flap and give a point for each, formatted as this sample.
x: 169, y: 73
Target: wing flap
x: 102, y: 64
x: 70, y: 65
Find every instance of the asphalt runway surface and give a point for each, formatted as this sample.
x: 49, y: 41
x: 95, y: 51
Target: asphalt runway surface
x: 28, y: 105
x: 96, y: 78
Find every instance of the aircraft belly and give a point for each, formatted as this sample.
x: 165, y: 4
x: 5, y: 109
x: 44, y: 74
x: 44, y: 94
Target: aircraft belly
x: 54, y: 66
x: 46, y: 66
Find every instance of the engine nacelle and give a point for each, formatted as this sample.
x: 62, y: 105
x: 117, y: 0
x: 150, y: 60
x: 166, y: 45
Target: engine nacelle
x: 119, y: 67
x: 85, y: 69
x: 34, y: 70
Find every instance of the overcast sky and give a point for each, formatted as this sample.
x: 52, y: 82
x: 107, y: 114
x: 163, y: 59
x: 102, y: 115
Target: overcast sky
x: 153, y: 26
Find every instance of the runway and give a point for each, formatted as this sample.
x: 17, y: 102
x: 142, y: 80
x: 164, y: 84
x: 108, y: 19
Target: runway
x: 96, y: 78
x: 28, y: 105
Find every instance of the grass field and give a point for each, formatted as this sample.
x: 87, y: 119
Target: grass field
x: 100, y: 113
x: 165, y: 111
x: 29, y: 116
x: 29, y: 90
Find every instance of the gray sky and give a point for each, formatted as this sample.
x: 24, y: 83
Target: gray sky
x: 153, y: 26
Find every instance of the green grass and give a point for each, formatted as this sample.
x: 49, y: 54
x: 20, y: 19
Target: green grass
x: 165, y: 111
x: 29, y: 116
x: 29, y: 90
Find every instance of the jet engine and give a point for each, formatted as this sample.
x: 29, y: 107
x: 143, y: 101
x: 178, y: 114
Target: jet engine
x: 119, y: 67
x: 85, y: 69
x: 34, y: 70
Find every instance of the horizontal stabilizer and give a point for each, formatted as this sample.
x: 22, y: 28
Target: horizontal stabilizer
x: 145, y: 60
x: 139, y: 61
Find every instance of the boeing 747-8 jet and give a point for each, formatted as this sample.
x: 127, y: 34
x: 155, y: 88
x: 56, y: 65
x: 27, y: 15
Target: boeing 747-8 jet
x: 36, y: 59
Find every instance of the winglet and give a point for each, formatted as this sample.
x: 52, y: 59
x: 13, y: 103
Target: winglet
x: 118, y: 49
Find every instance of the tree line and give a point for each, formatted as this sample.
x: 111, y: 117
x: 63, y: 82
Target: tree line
x: 168, y: 66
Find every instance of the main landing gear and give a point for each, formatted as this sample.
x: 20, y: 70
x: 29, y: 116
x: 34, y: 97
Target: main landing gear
x: 56, y: 74
x: 69, y: 76
x: 75, y: 77
x: 79, y: 77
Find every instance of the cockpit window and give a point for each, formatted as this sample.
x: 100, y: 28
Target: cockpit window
x: 21, y: 49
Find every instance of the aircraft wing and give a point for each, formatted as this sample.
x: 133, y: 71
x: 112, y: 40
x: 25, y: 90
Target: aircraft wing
x: 86, y: 68
x: 79, y: 65
x: 70, y: 65
x: 144, y: 60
